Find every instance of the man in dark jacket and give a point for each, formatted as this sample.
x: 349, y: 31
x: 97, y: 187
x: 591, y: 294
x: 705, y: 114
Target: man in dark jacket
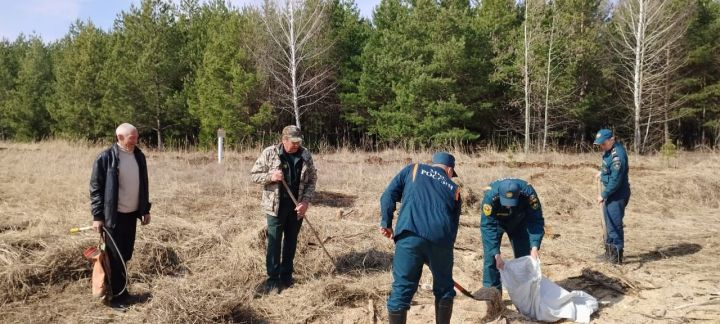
x: 119, y: 197
x: 425, y: 232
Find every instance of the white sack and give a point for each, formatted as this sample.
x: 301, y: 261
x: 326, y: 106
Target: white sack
x: 542, y: 299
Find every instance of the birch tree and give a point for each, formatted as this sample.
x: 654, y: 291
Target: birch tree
x: 647, y: 31
x: 295, y: 52
x: 547, y: 79
x: 526, y: 77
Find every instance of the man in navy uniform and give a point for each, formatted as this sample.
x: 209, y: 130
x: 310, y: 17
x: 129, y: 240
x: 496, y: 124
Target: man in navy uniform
x: 425, y: 233
x: 510, y: 206
x: 616, y: 195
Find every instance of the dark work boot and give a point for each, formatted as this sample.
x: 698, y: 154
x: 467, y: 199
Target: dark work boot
x: 397, y: 317
x: 615, y: 256
x: 286, y: 282
x: 609, y: 251
x: 620, y: 257
x: 605, y: 256
x: 270, y: 287
x: 611, y: 254
x: 443, y: 310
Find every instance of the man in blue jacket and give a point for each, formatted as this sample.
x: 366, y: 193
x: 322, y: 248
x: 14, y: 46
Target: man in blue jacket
x: 425, y: 233
x: 616, y: 195
x: 510, y: 206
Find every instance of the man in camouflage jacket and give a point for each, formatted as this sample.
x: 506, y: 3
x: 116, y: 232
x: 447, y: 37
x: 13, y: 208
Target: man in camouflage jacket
x: 293, y: 163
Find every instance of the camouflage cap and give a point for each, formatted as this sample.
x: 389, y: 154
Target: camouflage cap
x: 293, y: 133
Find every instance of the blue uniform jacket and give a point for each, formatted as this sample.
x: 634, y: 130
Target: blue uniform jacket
x: 497, y: 218
x: 430, y: 204
x: 614, y: 171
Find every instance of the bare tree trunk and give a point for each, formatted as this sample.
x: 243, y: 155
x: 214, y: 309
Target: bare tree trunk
x: 292, y: 42
x: 666, y: 129
x: 647, y: 132
x: 702, y: 127
x: 527, y: 83
x: 158, y: 130
x: 638, y: 73
x: 666, y: 98
x: 547, y: 79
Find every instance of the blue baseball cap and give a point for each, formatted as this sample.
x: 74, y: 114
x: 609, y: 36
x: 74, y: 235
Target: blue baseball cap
x: 602, y: 136
x: 509, y: 193
x: 445, y: 158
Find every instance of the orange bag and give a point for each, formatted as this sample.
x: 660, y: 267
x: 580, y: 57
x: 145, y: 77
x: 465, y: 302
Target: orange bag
x: 100, y: 269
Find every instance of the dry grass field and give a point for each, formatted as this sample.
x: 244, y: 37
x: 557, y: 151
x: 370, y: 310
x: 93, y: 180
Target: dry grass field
x: 203, y: 254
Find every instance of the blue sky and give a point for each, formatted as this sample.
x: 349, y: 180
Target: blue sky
x: 51, y: 19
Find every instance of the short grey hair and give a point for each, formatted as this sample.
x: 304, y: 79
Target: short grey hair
x: 125, y: 129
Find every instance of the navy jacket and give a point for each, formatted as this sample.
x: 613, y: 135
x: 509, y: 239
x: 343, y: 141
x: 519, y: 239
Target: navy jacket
x: 430, y: 204
x: 614, y: 172
x: 496, y: 219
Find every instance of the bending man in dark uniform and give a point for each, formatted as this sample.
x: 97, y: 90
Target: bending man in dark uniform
x: 510, y: 206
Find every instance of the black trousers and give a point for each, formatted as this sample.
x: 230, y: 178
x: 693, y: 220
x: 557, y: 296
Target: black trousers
x: 282, y: 231
x: 123, y: 235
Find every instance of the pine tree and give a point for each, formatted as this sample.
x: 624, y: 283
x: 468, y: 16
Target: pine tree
x: 500, y: 22
x: 9, y: 65
x: 225, y: 79
x: 350, y: 33
x: 701, y: 122
x: 144, y: 72
x: 578, y: 101
x: 25, y: 109
x: 76, y: 105
x: 411, y: 68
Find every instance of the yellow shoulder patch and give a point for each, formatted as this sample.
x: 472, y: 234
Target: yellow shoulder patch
x: 534, y: 202
x: 487, y: 209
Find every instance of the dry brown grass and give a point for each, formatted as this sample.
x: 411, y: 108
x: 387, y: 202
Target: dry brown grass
x: 203, y: 255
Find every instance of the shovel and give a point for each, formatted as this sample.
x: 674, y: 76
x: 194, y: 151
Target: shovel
x: 483, y: 294
x: 602, y: 218
x: 605, y: 244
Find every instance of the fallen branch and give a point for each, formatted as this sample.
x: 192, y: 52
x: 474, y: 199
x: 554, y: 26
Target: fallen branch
x: 588, y: 274
x: 371, y: 308
x: 664, y: 318
x: 705, y: 303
